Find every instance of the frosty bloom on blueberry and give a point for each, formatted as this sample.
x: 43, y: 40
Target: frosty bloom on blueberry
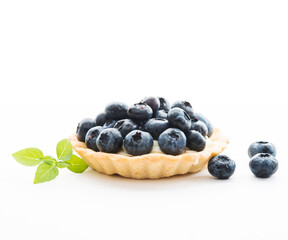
x: 83, y: 128
x: 91, y: 137
x: 263, y: 165
x: 186, y: 106
x: 221, y: 166
x: 172, y: 141
x: 178, y: 118
x: 199, y: 126
x: 138, y: 143
x: 261, y: 147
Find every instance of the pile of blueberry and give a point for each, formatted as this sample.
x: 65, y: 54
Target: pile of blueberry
x: 263, y: 163
x: 134, y: 128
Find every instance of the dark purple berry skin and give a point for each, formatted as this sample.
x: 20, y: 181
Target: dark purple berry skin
x: 209, y: 125
x: 221, y: 166
x: 116, y: 111
x: 152, y: 102
x: 161, y: 114
x: 156, y: 126
x: 199, y: 126
x: 140, y: 112
x: 91, y: 137
x: 83, y: 128
x: 261, y: 147
x: 125, y: 126
x: 178, y: 118
x: 186, y: 106
x: 172, y: 141
x: 263, y: 165
x: 109, y: 140
x: 164, y: 104
x: 109, y: 123
x: 101, y: 119
x: 195, y: 141
x: 138, y: 143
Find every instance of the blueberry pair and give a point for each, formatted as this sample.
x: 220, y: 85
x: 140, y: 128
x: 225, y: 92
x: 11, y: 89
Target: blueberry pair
x: 263, y: 163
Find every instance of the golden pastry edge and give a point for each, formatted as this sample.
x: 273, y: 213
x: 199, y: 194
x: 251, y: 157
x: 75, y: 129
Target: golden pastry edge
x: 152, y: 165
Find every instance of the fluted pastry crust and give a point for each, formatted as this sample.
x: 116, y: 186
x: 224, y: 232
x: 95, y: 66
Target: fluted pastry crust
x: 153, y: 165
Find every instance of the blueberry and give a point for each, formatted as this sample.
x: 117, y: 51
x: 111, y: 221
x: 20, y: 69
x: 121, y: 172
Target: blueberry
x: 142, y: 125
x: 110, y: 140
x: 138, y: 143
x: 261, y: 147
x: 125, y: 126
x: 109, y: 123
x: 164, y: 104
x: 263, y: 165
x: 161, y: 114
x: 152, y: 102
x: 140, y: 112
x: 116, y: 111
x: 83, y: 128
x: 172, y: 141
x: 209, y: 125
x: 221, y: 166
x: 101, y: 119
x: 186, y: 106
x: 91, y: 137
x: 199, y: 126
x: 195, y: 141
x: 156, y: 126
x: 178, y: 118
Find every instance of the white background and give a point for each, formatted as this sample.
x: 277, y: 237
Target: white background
x: 62, y: 61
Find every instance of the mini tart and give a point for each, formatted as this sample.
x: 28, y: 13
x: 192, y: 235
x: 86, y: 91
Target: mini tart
x: 154, y: 165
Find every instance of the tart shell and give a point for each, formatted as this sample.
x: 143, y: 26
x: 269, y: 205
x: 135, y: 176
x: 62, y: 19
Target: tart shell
x: 152, y: 165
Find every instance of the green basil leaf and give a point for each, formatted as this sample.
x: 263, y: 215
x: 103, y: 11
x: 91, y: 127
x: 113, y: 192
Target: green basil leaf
x: 45, y: 173
x: 77, y: 164
x: 64, y: 150
x: 28, y: 156
x: 63, y: 164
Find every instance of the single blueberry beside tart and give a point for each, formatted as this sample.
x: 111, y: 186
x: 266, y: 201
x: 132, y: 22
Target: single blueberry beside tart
x: 138, y: 143
x: 178, y: 118
x: 263, y: 165
x: 109, y: 141
x: 83, y: 128
x: 261, y: 147
x: 221, y: 166
x: 172, y: 141
x: 91, y: 137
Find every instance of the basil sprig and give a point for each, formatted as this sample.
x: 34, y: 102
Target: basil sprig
x: 48, y: 166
